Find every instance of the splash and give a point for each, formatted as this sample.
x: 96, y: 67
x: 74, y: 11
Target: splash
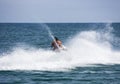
x: 50, y: 33
x: 85, y: 48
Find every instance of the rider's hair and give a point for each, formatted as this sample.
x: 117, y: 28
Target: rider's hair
x: 56, y: 38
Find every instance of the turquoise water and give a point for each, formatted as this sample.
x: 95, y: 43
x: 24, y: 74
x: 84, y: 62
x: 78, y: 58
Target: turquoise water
x: 92, y: 56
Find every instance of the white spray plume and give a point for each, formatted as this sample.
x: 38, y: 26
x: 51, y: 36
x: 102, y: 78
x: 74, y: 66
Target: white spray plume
x: 85, y: 48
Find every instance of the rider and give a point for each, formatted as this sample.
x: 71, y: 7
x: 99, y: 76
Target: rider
x: 56, y: 44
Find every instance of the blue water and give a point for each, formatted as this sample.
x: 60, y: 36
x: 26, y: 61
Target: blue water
x: 93, y: 55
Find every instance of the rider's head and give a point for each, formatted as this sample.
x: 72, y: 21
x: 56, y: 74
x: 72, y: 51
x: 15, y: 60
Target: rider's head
x: 56, y: 38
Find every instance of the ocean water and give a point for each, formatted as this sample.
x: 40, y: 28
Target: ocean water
x: 92, y: 55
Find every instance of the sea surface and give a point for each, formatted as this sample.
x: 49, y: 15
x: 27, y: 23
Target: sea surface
x: 92, y: 55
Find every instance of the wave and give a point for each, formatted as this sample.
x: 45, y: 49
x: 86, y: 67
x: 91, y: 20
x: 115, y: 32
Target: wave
x: 84, y: 49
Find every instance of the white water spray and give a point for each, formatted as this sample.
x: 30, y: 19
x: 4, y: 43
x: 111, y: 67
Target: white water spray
x: 85, y: 48
x: 50, y: 33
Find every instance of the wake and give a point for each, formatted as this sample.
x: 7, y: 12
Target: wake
x: 85, y: 48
